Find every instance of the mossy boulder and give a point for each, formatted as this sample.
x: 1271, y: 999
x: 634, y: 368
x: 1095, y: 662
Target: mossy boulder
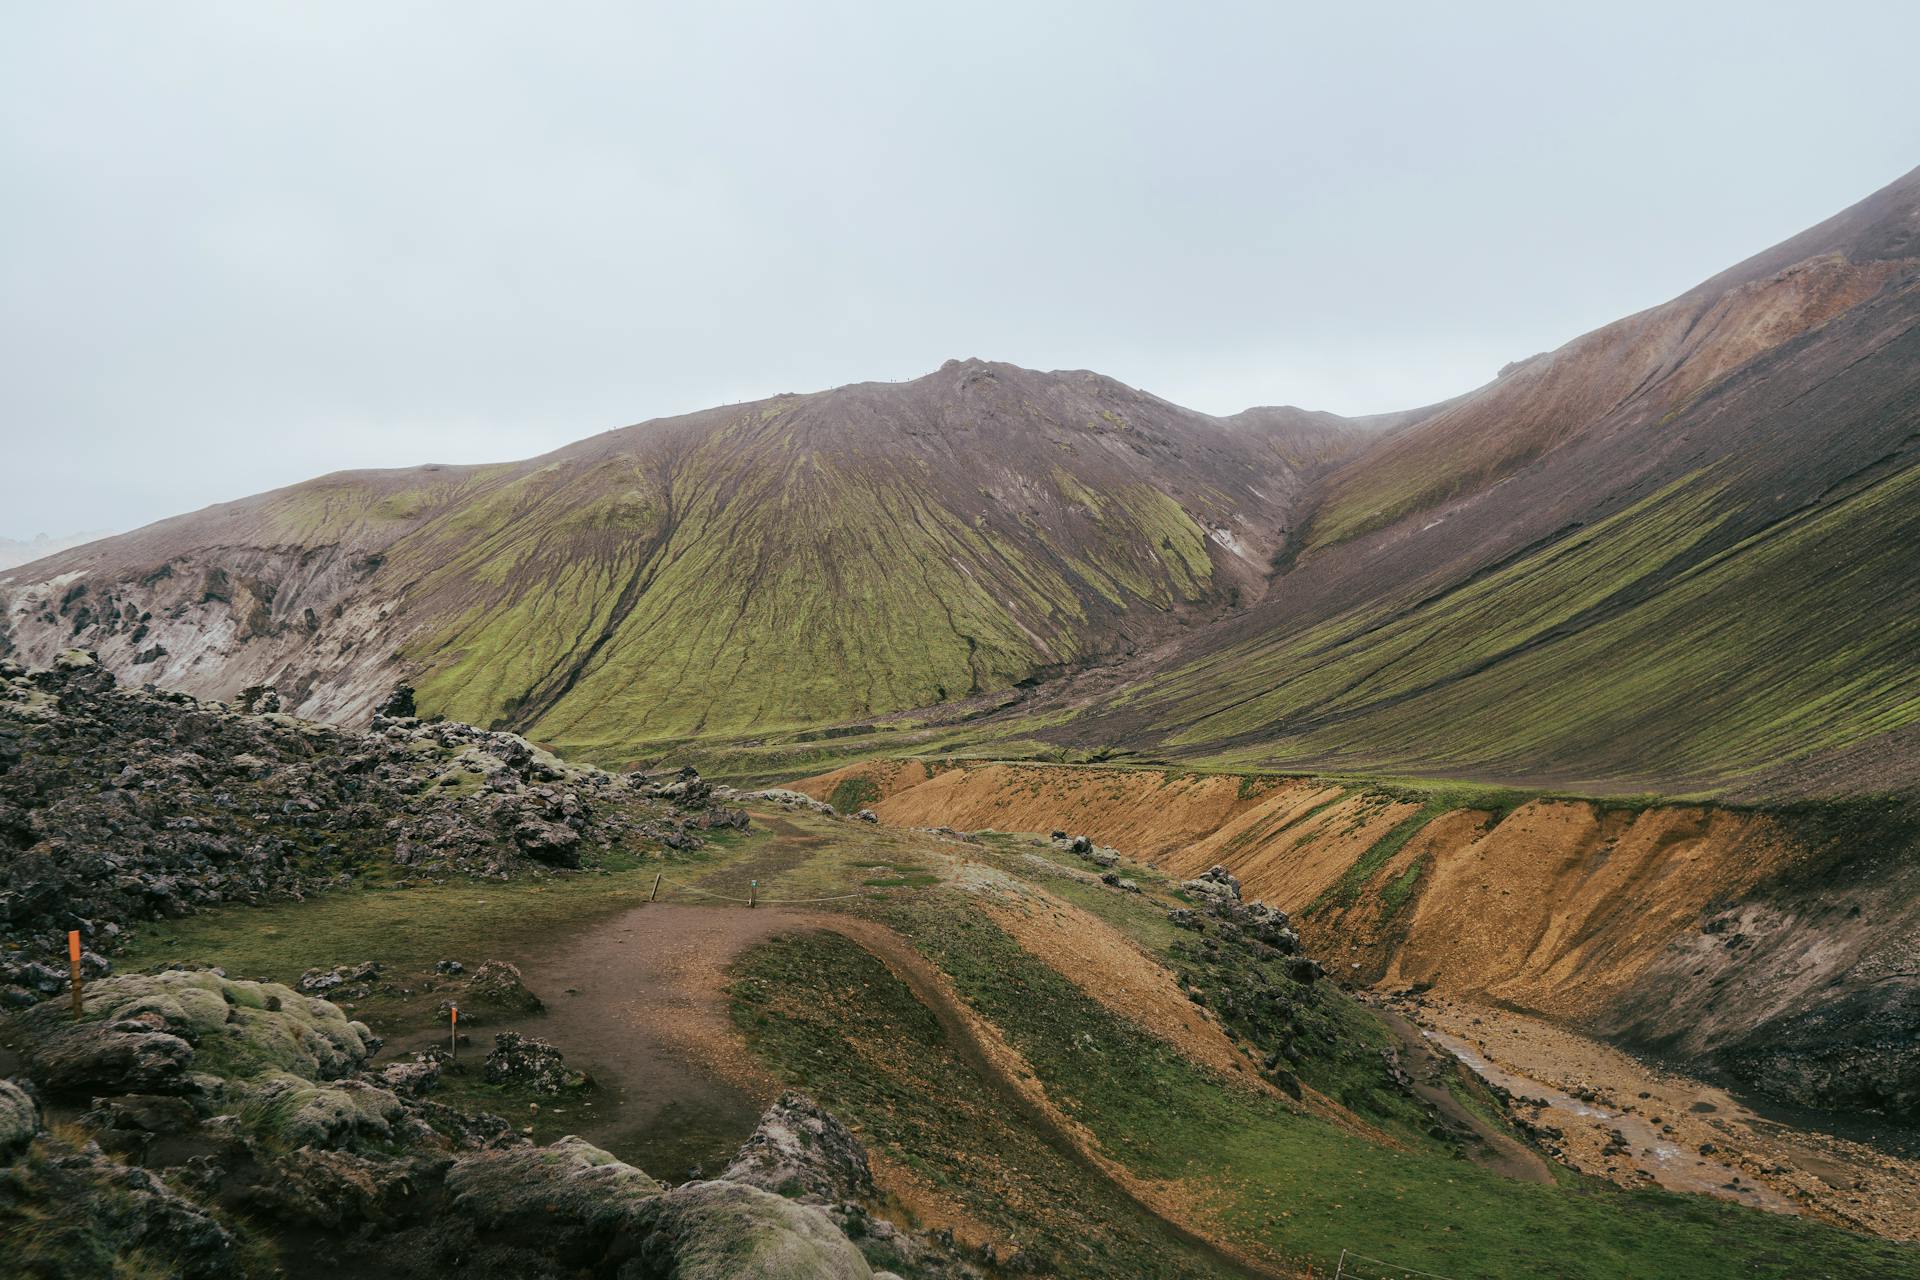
x: 295, y: 1112
x: 720, y: 1230
x: 153, y: 1033
x: 19, y: 1118
x: 568, y: 1184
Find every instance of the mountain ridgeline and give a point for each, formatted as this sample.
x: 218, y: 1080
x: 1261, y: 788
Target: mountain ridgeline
x: 1673, y: 555
x: 792, y: 562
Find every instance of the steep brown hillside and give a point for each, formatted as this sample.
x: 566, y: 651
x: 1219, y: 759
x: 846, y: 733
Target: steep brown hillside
x: 1629, y: 373
x: 1776, y: 948
x: 1671, y: 556
x: 785, y: 563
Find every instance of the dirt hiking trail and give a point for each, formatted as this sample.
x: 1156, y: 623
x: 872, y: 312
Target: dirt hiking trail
x: 639, y: 1000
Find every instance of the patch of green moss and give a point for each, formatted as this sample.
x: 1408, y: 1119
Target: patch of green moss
x: 1345, y: 891
x: 854, y: 794
x: 838, y: 1023
x: 1397, y: 892
x: 1655, y: 651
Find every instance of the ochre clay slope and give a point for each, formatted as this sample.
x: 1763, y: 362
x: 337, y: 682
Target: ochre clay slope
x: 1730, y: 938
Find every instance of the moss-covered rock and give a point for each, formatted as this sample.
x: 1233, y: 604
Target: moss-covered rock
x: 151, y: 1033
x: 568, y: 1183
x: 67, y: 1213
x: 286, y: 1109
x: 336, y: 1189
x: 19, y: 1118
x: 721, y: 1230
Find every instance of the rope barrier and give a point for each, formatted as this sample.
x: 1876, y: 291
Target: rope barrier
x: 722, y: 897
x: 687, y: 888
x: 1348, y: 1254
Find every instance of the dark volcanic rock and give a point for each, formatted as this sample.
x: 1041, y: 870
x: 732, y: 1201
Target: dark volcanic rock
x: 530, y: 1063
x: 800, y: 1150
x: 397, y: 705
x: 548, y: 842
x: 1860, y: 1052
x: 316, y: 982
x: 120, y: 805
x: 1302, y: 969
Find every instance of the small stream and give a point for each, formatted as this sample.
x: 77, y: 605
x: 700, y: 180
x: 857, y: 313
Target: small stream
x: 1673, y: 1166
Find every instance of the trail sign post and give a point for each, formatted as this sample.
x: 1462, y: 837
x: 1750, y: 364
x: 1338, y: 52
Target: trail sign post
x: 73, y: 958
x: 453, y: 1032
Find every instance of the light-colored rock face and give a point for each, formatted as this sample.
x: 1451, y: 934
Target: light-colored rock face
x: 800, y: 1150
x: 19, y: 1118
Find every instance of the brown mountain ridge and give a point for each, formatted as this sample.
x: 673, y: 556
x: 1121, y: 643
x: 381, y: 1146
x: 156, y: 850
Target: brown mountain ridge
x: 1667, y: 556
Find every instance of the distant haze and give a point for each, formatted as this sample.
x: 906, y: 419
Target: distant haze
x: 15, y: 551
x: 245, y: 243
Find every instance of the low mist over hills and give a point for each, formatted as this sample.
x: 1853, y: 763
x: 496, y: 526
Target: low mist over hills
x: 16, y: 551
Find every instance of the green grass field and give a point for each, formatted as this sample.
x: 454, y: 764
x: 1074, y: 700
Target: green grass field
x: 827, y: 1016
x: 1298, y: 1186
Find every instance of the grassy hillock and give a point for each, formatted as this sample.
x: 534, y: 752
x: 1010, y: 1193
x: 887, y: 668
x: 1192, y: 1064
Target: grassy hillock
x: 1289, y: 1188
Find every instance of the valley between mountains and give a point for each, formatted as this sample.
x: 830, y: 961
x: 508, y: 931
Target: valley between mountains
x: 1004, y: 823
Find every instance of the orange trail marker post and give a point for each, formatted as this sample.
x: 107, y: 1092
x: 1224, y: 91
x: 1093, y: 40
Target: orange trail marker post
x: 453, y: 1031
x: 73, y: 958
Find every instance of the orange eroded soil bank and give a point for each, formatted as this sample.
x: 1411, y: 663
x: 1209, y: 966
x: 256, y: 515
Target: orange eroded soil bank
x: 1685, y: 931
x: 1556, y: 909
x: 1111, y: 805
x: 1560, y: 908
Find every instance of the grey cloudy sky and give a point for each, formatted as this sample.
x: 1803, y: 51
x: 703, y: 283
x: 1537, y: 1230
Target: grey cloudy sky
x: 244, y: 243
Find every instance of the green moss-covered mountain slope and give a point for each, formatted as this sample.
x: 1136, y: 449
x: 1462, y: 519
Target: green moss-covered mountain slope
x: 792, y: 562
x: 1673, y: 555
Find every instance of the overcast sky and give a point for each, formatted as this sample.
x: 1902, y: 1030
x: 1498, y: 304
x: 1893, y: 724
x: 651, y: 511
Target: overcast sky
x: 245, y: 243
